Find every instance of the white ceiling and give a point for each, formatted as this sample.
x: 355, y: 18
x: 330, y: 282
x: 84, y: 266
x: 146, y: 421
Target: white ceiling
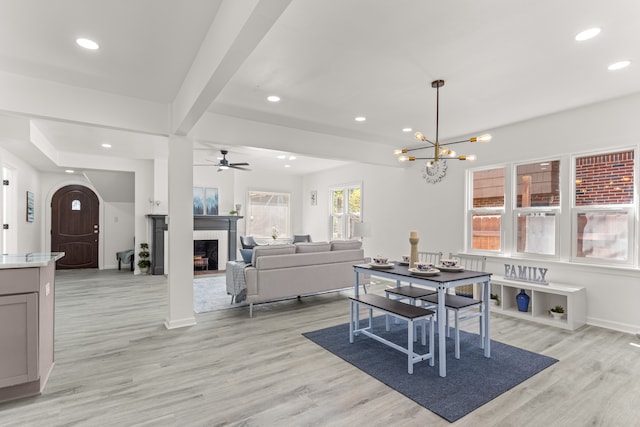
x: 331, y: 60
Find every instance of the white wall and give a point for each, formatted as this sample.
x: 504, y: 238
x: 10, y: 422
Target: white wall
x: 209, y: 177
x: 117, y: 232
x: 27, y: 234
x: 398, y: 200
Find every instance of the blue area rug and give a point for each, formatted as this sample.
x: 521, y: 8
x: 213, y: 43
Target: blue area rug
x: 471, y: 381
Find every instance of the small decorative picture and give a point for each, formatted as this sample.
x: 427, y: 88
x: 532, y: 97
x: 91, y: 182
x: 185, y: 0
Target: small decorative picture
x: 198, y: 201
x: 31, y: 207
x: 211, y: 201
x: 314, y: 197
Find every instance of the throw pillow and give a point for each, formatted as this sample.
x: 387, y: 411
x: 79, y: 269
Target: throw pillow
x: 246, y: 255
x: 302, y: 248
x: 345, y: 245
x: 259, y: 251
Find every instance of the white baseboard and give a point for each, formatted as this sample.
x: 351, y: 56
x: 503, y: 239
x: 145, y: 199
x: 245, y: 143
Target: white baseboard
x: 616, y: 326
x: 180, y: 323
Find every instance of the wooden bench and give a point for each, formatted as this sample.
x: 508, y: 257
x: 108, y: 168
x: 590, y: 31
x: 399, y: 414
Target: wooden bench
x: 411, y: 313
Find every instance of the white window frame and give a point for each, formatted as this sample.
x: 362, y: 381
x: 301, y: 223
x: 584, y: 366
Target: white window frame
x: 534, y: 210
x: 629, y: 209
x: 346, y: 225
x: 284, y: 232
x: 471, y: 211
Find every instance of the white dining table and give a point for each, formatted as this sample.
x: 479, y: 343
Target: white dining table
x: 443, y: 281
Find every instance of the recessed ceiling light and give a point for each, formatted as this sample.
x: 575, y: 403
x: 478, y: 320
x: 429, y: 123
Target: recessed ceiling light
x: 287, y: 166
x: 273, y: 98
x: 106, y: 145
x: 360, y: 119
x: 406, y: 129
x: 87, y: 44
x: 292, y: 157
x: 69, y: 171
x: 282, y: 156
x: 588, y: 34
x: 619, y: 65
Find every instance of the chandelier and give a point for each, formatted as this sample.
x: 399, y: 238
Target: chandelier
x: 441, y: 152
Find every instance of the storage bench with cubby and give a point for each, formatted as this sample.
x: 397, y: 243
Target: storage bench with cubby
x: 542, y: 298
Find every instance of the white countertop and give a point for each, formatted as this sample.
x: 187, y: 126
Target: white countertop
x: 29, y: 260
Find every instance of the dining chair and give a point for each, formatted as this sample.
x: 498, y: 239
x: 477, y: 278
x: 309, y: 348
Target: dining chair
x: 410, y: 292
x: 248, y: 242
x: 301, y: 238
x: 473, y: 263
x: 430, y: 257
x: 463, y: 305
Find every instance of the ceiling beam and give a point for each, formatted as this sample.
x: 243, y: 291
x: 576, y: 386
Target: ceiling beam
x: 237, y: 29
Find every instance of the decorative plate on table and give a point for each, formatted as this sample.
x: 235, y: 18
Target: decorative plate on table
x: 429, y: 272
x: 456, y: 269
x: 387, y: 265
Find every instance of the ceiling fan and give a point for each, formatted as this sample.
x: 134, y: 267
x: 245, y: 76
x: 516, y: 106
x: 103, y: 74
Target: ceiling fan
x: 224, y: 163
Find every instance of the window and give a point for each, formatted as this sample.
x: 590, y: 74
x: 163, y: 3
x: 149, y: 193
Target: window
x: 523, y: 209
x: 346, y: 203
x: 487, y: 209
x: 603, y: 211
x: 267, y: 210
x: 537, y: 207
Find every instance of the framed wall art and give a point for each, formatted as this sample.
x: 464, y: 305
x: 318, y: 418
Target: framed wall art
x: 211, y: 201
x: 198, y: 201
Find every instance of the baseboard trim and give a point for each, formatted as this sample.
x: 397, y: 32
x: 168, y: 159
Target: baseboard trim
x: 180, y: 323
x: 616, y: 326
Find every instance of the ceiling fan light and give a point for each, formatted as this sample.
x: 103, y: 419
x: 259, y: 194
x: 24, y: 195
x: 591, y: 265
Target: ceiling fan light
x: 223, y: 167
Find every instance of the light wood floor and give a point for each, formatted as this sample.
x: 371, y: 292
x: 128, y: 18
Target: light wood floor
x: 117, y: 365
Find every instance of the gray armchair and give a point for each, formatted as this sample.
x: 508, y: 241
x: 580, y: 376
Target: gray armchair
x: 248, y: 242
x: 300, y: 238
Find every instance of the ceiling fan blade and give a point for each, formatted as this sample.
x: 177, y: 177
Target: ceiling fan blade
x: 233, y: 165
x: 239, y: 164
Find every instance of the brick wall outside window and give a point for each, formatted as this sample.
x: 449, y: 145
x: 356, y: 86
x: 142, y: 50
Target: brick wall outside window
x: 605, y: 179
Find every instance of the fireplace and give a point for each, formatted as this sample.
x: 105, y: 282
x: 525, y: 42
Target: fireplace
x: 207, y: 249
x: 206, y: 227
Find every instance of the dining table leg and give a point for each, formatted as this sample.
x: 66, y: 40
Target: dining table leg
x: 356, y: 293
x: 442, y: 345
x: 486, y: 287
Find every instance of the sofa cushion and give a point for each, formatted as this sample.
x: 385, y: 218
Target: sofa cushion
x: 298, y: 260
x: 247, y: 254
x: 308, y: 247
x: 343, y: 245
x: 267, y: 250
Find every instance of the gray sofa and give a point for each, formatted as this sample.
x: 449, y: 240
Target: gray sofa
x: 286, y: 271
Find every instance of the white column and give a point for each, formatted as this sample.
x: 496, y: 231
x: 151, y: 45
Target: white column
x: 180, y: 227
